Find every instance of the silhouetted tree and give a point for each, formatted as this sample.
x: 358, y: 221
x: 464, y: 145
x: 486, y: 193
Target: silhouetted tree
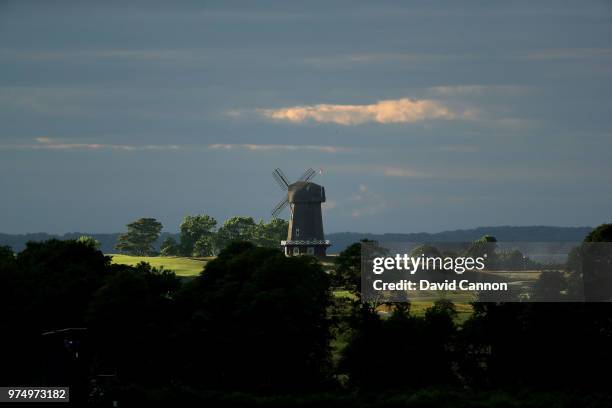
x: 602, y: 233
x: 596, y: 257
x: 401, y: 352
x: 255, y: 319
x: 347, y: 273
x: 46, y: 287
x: 7, y: 257
x: 550, y: 287
x: 130, y: 321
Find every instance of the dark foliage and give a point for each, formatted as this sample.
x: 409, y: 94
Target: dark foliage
x: 256, y: 320
x: 130, y: 322
x: 402, y: 351
x: 254, y: 329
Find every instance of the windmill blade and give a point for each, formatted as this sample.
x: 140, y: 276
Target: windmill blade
x: 279, y: 207
x: 280, y: 178
x: 280, y: 181
x: 308, y: 175
x: 282, y: 175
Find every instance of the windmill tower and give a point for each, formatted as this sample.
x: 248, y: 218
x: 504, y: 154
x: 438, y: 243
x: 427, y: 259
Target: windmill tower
x: 305, y: 235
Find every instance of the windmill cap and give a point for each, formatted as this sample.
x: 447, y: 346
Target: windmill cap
x: 306, y: 192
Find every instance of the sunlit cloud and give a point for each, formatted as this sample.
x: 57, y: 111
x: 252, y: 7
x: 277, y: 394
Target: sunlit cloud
x: 403, y: 110
x: 278, y: 147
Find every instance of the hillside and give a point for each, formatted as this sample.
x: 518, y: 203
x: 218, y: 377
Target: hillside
x: 503, y: 233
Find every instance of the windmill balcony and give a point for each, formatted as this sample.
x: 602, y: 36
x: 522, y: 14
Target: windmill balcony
x: 325, y: 242
x: 314, y: 247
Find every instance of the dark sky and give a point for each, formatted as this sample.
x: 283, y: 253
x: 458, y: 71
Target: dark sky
x: 420, y: 118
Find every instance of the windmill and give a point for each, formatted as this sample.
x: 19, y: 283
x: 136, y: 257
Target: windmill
x: 304, y: 198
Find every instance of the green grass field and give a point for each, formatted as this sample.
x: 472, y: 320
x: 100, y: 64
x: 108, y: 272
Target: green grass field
x: 180, y: 266
x: 190, y: 267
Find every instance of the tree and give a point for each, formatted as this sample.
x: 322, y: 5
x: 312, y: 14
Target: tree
x: 169, y: 247
x: 46, y: 286
x: 347, y: 273
x: 256, y: 320
x: 419, y: 346
x: 596, y: 257
x: 589, y: 264
x: 236, y: 229
x: 197, y: 235
x: 271, y: 234
x: 89, y: 241
x: 513, y: 260
x: 485, y: 246
x: 602, y: 233
x: 140, y: 236
x: 129, y: 321
x: 6, y: 256
x: 206, y: 246
x: 550, y: 287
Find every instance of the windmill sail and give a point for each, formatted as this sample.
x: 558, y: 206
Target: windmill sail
x: 305, y: 231
x: 280, y: 178
x: 279, y: 207
x: 308, y: 175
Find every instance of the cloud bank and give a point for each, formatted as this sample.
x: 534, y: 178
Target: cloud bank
x: 401, y: 172
x: 276, y: 147
x: 47, y: 143
x: 390, y: 111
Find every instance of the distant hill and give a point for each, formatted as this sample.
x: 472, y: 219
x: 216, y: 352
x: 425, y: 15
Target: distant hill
x: 107, y: 241
x: 341, y: 240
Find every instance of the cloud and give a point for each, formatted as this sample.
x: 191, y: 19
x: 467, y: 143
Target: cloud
x: 329, y: 205
x: 403, y: 110
x: 458, y: 148
x: 567, y: 53
x: 377, y: 170
x: 400, y: 172
x: 478, y: 90
x: 146, y: 55
x: 47, y: 143
x: 349, y: 60
x: 366, y: 202
x: 277, y: 147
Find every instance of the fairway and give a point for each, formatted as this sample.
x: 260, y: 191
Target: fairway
x: 190, y: 267
x: 180, y: 266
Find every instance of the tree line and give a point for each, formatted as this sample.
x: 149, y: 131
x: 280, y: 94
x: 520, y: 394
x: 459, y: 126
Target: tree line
x: 256, y: 328
x: 199, y: 235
